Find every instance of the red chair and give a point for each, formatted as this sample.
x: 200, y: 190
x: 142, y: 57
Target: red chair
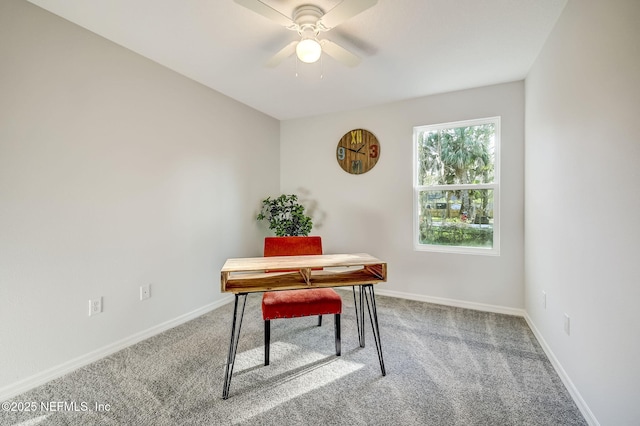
x: 298, y: 303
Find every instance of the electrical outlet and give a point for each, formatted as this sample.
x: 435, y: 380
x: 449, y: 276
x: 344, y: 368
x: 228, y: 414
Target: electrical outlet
x: 544, y: 299
x: 145, y: 291
x: 95, y: 306
x: 567, y: 324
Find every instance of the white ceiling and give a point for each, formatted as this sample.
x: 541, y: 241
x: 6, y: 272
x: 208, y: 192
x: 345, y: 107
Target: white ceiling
x: 409, y: 48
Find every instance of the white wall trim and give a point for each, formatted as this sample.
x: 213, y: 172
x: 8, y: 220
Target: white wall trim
x: 45, y: 376
x: 573, y: 391
x: 58, y: 371
x: 454, y: 302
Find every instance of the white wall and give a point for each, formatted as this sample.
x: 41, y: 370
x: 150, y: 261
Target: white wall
x: 582, y: 203
x: 373, y: 212
x: 114, y: 172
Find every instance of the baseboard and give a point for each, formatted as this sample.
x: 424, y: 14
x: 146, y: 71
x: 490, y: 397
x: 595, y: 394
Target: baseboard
x: 573, y: 391
x: 454, y: 302
x: 39, y: 379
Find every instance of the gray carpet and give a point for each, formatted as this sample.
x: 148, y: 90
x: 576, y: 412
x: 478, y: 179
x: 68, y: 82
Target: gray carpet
x: 445, y: 366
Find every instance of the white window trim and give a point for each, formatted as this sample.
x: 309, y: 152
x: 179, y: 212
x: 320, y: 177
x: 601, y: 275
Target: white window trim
x: 495, y: 186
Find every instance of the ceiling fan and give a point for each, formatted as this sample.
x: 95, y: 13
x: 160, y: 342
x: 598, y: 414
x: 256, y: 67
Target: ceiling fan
x: 309, y: 21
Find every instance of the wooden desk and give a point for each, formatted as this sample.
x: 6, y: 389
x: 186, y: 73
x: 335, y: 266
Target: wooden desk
x: 258, y: 274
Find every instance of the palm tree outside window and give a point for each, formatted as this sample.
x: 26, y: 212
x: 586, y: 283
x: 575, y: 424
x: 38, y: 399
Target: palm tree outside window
x: 456, y: 186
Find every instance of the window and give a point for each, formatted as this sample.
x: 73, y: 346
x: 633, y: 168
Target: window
x: 457, y: 187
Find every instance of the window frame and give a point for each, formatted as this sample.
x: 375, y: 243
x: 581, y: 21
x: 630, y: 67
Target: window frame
x: 495, y: 186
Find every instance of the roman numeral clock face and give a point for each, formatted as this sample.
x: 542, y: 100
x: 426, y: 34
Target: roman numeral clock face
x: 358, y: 151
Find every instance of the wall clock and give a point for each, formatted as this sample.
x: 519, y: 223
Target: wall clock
x: 358, y: 151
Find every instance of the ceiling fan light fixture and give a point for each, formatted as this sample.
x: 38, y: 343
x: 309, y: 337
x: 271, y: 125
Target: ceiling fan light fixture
x: 308, y: 50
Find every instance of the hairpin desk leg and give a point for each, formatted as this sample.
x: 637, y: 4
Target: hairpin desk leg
x: 359, y: 314
x: 371, y: 307
x: 366, y: 293
x: 233, y: 343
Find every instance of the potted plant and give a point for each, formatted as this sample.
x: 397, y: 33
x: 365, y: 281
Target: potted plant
x: 291, y: 225
x: 286, y: 216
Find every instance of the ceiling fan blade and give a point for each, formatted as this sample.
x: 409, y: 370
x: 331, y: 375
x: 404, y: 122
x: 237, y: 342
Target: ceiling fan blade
x: 283, y: 54
x: 266, y: 11
x: 339, y: 53
x: 345, y: 10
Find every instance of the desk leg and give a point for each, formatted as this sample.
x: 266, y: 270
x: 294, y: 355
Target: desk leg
x: 359, y: 314
x: 366, y: 293
x: 233, y: 343
x: 371, y: 307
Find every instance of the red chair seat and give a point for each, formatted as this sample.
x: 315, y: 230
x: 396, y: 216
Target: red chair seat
x: 300, y: 303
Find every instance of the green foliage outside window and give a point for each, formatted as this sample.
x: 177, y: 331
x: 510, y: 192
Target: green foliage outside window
x: 455, y: 184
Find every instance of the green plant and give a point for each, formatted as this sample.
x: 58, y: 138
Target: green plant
x: 285, y: 216
x: 457, y: 234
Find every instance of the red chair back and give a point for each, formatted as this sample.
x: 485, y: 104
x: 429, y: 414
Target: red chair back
x: 292, y: 246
